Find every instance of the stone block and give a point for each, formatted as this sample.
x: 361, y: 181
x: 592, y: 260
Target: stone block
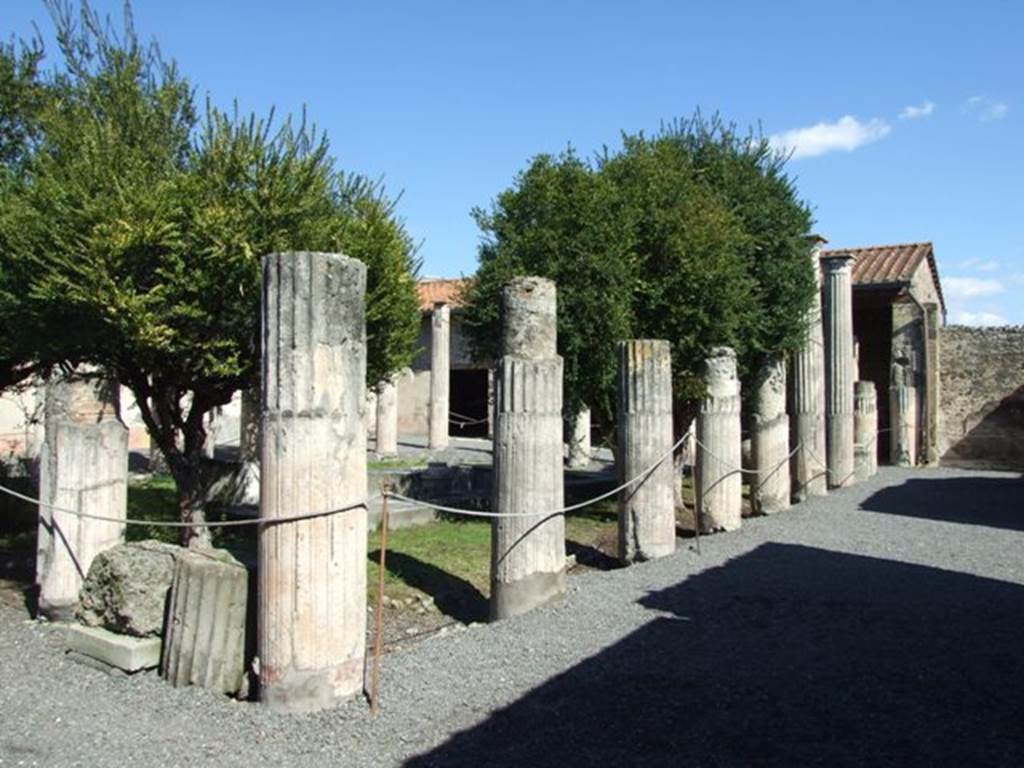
x: 122, y: 651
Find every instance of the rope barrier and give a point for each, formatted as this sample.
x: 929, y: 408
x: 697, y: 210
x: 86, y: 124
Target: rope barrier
x: 770, y: 472
x: 639, y: 478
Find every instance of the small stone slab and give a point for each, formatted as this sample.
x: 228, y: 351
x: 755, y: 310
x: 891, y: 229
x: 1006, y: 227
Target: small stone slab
x: 122, y: 651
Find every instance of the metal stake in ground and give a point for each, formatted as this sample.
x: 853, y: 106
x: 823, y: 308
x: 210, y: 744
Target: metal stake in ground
x: 385, y: 489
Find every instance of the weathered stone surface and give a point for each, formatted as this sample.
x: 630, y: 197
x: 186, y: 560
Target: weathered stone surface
x: 579, y: 441
x: 807, y: 402
x: 440, y: 365
x: 127, y: 586
x: 312, y: 573
x: 130, y: 654
x: 528, y: 552
x: 865, y: 425
x: 647, y: 521
x: 839, y: 370
x: 902, y: 415
x: 770, y: 485
x: 719, y: 484
x: 83, y: 466
x: 387, y: 419
x: 205, y: 639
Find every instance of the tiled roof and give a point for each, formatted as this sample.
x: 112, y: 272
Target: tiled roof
x: 445, y: 291
x: 890, y: 264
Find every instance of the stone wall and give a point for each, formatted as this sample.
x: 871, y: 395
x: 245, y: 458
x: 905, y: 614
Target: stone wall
x: 981, y: 415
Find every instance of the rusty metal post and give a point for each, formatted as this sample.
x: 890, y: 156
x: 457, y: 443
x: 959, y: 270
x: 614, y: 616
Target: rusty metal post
x: 379, y: 632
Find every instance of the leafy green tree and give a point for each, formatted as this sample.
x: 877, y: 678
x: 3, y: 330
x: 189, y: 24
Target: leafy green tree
x: 136, y: 245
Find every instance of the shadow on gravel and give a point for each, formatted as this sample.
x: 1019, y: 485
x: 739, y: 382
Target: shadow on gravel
x: 788, y: 655
x: 453, y: 596
x: 995, y: 502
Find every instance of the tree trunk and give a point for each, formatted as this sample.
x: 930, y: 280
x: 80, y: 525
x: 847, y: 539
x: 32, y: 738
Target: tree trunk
x: 191, y: 482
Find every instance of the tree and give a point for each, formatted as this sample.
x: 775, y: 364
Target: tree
x: 139, y: 237
x: 695, y: 235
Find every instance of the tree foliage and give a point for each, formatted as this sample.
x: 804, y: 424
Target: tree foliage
x: 134, y: 241
x: 694, y: 235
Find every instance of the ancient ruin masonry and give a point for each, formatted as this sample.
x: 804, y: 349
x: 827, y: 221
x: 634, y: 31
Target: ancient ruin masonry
x: 387, y: 419
x: 865, y: 429
x: 647, y: 521
x: 579, y: 441
x: 719, y: 484
x: 839, y: 367
x: 770, y: 485
x: 83, y: 467
x: 312, y: 573
x: 528, y: 552
x: 440, y: 364
x: 902, y: 415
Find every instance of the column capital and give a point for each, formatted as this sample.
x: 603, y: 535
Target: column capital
x: 836, y: 262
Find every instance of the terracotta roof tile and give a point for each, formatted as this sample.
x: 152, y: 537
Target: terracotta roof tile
x: 445, y: 291
x: 890, y: 264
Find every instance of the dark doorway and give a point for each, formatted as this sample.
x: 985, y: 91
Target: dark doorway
x: 872, y: 327
x: 467, y: 403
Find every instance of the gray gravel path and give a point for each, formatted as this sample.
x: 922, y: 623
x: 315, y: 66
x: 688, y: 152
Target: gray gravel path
x: 883, y: 625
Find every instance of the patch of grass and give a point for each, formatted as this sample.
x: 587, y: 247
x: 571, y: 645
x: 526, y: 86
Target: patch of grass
x: 384, y: 465
x: 153, y: 499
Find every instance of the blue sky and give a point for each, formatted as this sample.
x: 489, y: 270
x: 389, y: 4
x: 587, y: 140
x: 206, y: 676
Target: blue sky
x: 905, y: 118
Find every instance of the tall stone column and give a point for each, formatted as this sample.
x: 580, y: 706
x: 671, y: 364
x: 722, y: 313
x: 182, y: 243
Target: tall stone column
x: 807, y: 401
x: 440, y: 364
x: 719, y: 484
x: 932, y: 365
x: 527, y: 553
x: 83, y: 467
x: 770, y: 486
x: 902, y: 415
x: 312, y: 573
x: 647, y: 519
x: 865, y: 428
x: 387, y: 418
x: 579, y: 440
x: 839, y: 374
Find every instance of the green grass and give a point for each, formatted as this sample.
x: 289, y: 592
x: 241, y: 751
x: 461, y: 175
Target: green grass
x: 384, y: 465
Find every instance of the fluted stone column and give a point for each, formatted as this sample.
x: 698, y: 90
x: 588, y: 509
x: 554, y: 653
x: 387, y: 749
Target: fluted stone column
x: 83, y: 467
x: 312, y: 573
x: 865, y: 427
x: 527, y: 553
x: 902, y: 416
x: 579, y: 440
x: 647, y: 520
x: 770, y: 486
x: 387, y: 418
x: 837, y: 308
x: 440, y: 364
x: 719, y: 484
x: 807, y: 402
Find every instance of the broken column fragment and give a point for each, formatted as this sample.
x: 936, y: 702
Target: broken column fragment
x: 528, y: 552
x: 387, y: 419
x: 440, y: 363
x: 837, y: 307
x: 865, y: 428
x: 902, y: 415
x: 719, y: 483
x: 579, y: 440
x: 84, y: 468
x: 312, y: 572
x: 647, y: 521
x: 770, y: 484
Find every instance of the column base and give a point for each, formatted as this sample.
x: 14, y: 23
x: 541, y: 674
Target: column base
x: 513, y: 598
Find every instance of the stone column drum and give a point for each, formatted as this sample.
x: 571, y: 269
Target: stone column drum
x: 312, y: 573
x: 387, y: 419
x: 719, y: 484
x: 84, y: 467
x: 527, y: 553
x: 839, y: 373
x: 807, y: 401
x: 647, y: 520
x: 440, y: 364
x: 865, y: 428
x: 770, y: 486
x: 902, y: 416
x: 579, y: 440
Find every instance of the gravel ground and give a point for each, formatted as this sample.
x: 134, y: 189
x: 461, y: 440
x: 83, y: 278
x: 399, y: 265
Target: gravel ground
x: 883, y: 625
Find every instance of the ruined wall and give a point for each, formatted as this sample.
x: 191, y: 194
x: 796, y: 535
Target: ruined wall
x: 981, y: 415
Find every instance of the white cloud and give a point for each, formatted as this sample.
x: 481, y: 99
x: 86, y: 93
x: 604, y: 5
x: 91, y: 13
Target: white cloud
x: 969, y: 287
x: 964, y: 317
x: 847, y: 133
x: 980, y: 265
x: 912, y: 112
x: 986, y: 109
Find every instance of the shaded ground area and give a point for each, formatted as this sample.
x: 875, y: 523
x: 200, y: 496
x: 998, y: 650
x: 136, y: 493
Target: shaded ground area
x: 878, y: 626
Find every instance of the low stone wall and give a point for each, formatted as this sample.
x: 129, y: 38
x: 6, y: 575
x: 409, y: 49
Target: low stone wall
x: 981, y: 413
